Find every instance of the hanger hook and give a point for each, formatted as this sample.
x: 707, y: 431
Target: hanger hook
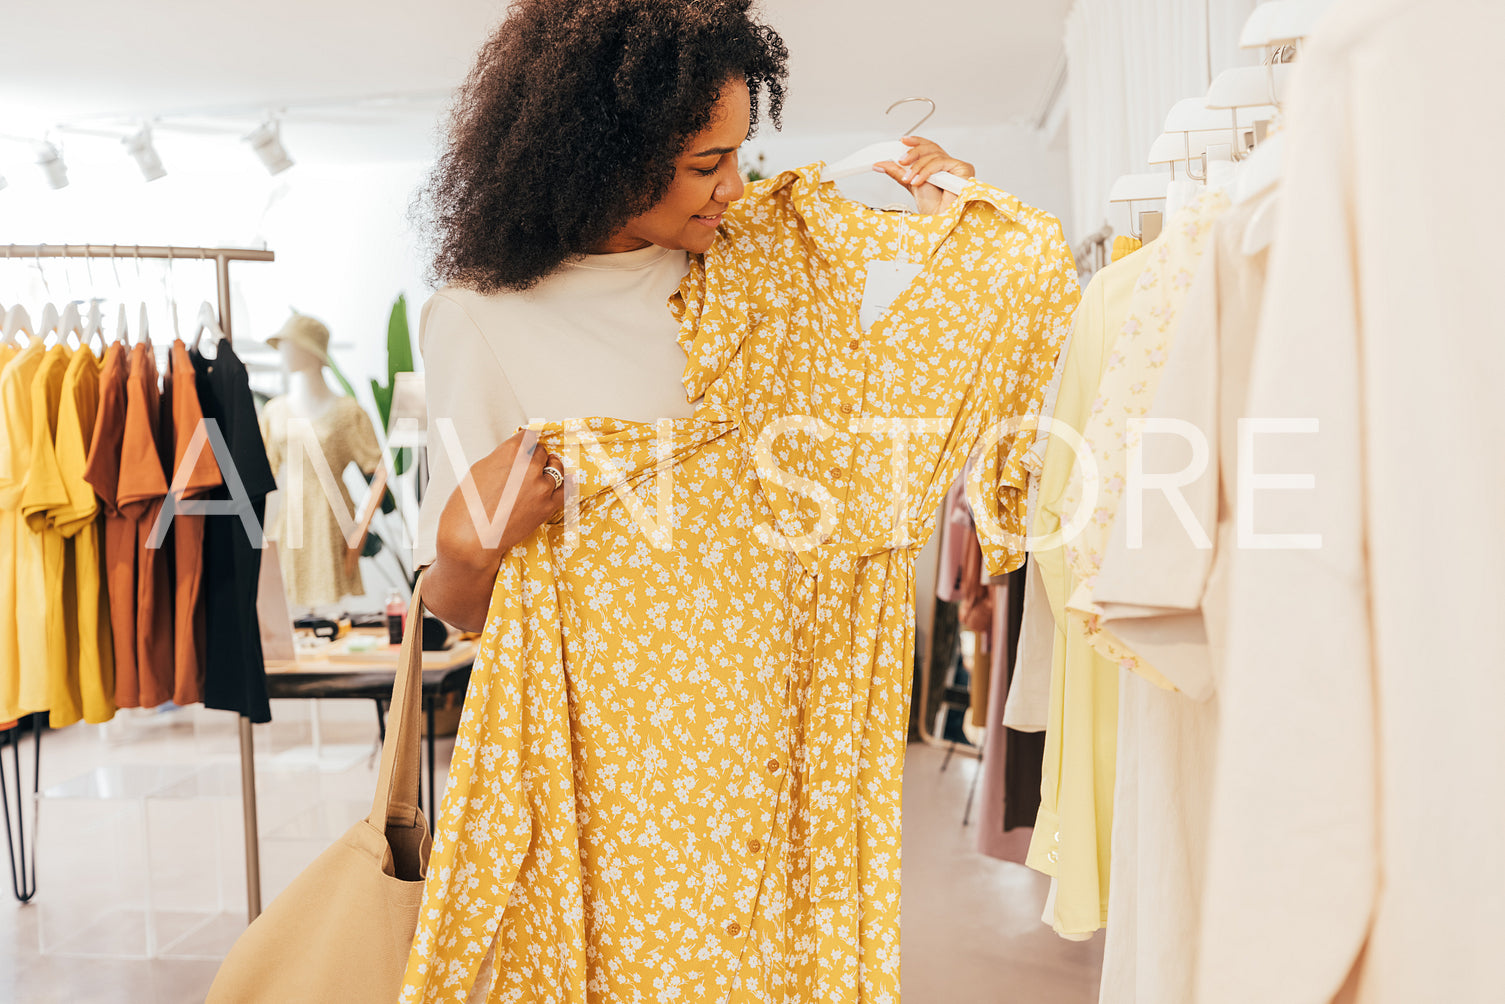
x: 904, y: 101
x: 42, y: 273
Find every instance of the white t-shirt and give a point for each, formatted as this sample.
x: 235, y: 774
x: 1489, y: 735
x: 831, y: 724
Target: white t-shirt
x: 596, y: 338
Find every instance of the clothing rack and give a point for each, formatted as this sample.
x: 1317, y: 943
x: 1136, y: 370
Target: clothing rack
x: 1092, y: 253
x: 222, y: 257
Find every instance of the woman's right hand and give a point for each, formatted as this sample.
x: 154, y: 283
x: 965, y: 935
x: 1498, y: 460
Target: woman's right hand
x: 474, y: 533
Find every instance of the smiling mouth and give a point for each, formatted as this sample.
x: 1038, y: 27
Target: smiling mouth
x: 710, y: 221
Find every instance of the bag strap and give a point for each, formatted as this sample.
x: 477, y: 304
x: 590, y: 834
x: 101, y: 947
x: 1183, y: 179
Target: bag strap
x: 396, y: 801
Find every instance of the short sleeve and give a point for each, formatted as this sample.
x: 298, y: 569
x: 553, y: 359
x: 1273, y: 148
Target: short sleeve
x: 74, y: 429
x: 472, y: 408
x: 44, y: 492
x: 997, y: 487
x: 713, y: 310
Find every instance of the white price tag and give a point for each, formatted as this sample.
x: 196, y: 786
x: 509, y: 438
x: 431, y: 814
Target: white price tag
x: 885, y: 281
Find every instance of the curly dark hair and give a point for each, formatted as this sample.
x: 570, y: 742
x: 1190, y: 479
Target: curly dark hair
x: 570, y: 122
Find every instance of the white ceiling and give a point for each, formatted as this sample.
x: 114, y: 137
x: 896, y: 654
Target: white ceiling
x: 983, y: 61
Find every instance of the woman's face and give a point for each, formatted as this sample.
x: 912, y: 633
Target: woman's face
x: 705, y: 183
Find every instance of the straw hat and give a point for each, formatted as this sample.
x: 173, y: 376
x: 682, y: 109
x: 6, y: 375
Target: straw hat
x: 305, y: 332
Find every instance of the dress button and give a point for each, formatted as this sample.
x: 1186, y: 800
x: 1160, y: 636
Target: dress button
x: 846, y: 408
x: 837, y: 472
x: 734, y: 929
x: 854, y: 345
x: 755, y: 845
x: 773, y: 765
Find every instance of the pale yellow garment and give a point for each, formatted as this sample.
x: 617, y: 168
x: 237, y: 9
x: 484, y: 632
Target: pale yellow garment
x: 1358, y: 809
x: 1070, y: 839
x: 1128, y: 389
x: 311, y: 544
x: 9, y: 657
x: 40, y: 635
x: 90, y: 682
x: 719, y: 820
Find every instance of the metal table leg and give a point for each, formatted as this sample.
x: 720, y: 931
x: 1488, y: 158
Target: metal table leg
x: 23, y: 869
x: 248, y: 809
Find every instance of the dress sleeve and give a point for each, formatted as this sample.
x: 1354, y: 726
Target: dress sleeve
x: 472, y: 408
x: 364, y: 449
x: 997, y: 488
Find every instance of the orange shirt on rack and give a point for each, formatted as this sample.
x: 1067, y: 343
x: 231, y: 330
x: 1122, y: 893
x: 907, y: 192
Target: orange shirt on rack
x: 103, y: 474
x: 142, y: 486
x: 81, y: 522
x: 41, y: 604
x: 181, y: 407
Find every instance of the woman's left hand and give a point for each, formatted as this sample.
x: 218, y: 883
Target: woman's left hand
x: 913, y: 171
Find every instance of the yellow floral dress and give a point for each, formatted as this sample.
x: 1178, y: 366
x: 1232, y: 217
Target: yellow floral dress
x: 677, y: 776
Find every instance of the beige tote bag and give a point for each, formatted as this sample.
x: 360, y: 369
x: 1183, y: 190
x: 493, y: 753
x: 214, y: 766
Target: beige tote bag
x: 342, y: 930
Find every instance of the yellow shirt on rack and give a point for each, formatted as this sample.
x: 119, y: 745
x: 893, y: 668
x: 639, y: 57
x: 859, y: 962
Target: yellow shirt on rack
x: 44, y: 605
x: 678, y: 772
x: 1071, y: 838
x: 89, y: 686
x: 20, y: 549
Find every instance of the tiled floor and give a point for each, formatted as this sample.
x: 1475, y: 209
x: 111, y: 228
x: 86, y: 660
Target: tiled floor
x: 971, y: 932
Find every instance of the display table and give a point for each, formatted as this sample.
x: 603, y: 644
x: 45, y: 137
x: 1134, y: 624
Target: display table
x: 336, y: 671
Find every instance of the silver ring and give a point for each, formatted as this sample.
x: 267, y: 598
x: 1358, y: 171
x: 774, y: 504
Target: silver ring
x: 556, y: 474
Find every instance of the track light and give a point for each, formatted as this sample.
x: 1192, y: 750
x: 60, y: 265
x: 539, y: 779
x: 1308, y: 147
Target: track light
x: 50, y: 160
x: 267, y: 143
x: 144, y: 154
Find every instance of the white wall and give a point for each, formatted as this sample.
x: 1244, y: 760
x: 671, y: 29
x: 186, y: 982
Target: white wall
x: 344, y: 248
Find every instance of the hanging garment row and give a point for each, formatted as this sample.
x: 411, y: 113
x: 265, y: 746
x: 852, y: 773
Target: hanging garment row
x: 100, y: 607
x: 1268, y: 692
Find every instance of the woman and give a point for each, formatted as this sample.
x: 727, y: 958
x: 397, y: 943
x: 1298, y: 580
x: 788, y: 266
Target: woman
x: 594, y: 147
x: 677, y: 777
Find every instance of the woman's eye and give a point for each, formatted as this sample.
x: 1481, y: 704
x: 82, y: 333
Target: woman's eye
x: 705, y: 172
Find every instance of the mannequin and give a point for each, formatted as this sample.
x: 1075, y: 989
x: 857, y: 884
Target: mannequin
x: 308, y: 422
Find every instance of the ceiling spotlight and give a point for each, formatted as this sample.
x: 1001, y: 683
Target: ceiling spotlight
x: 144, y: 154
x: 50, y: 160
x: 267, y: 143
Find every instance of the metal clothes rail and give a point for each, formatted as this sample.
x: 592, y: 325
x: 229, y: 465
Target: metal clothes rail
x: 221, y: 257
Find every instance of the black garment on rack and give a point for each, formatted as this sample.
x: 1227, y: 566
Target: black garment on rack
x: 1024, y: 752
x: 234, y: 675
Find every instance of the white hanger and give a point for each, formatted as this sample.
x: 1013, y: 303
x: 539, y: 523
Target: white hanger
x: 18, y: 322
x: 1281, y: 22
x: 146, y: 329
x: 1244, y: 86
x: 94, y: 323
x: 1132, y: 188
x: 208, y: 321
x: 122, y: 330
x: 47, y: 326
x: 71, y: 323
x: 873, y: 153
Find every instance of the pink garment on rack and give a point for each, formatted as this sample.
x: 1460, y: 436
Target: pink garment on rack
x: 957, y: 533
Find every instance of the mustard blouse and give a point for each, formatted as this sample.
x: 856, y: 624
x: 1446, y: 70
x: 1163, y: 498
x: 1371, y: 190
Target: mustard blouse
x: 677, y: 776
